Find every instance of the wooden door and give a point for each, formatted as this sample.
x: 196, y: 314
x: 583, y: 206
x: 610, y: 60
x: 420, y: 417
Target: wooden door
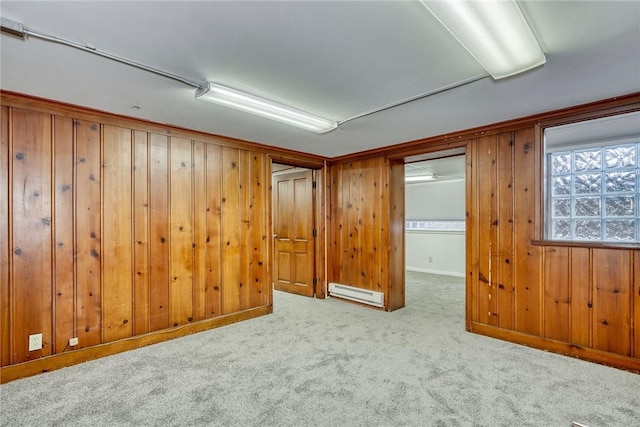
x: 293, y: 228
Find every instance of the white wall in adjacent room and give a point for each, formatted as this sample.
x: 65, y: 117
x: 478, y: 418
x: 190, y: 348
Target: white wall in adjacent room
x: 435, y: 252
x: 438, y: 252
x: 437, y: 200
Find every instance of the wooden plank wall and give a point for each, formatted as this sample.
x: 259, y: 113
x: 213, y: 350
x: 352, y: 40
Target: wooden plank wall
x: 503, y: 263
x: 359, y: 233
x: 109, y: 232
x: 577, y: 300
x: 586, y: 297
x: 597, y: 310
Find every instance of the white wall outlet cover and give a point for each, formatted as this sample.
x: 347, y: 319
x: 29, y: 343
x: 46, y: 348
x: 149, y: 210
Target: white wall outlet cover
x: 73, y: 342
x: 35, y: 342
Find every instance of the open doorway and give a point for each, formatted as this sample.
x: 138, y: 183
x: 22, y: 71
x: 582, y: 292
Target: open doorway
x: 435, y: 241
x: 297, y: 243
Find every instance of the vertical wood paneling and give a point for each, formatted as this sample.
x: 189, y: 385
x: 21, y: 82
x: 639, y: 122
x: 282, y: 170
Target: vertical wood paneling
x: 5, y: 297
x: 181, y: 233
x: 57, y: 238
x: 611, y: 301
x: 487, y: 223
x: 117, y: 249
x: 88, y: 234
x: 636, y: 304
x: 199, y: 229
x: 473, y: 233
x: 504, y: 227
x: 471, y: 241
x: 557, y: 294
x: 527, y: 256
x: 141, y: 234
x: 213, y: 260
x: 360, y: 245
x: 345, y: 230
x: 159, y: 232
x: 320, y: 214
x: 354, y: 270
x: 369, y: 271
x: 31, y: 258
x: 384, y: 236
x: 108, y: 232
x: 335, y: 219
x: 258, y: 238
x: 231, y: 230
x: 63, y: 222
x: 244, y: 210
x: 396, y: 228
x: 581, y: 296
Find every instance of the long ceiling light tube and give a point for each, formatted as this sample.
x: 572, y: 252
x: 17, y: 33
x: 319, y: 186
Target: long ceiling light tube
x: 420, y: 178
x: 242, y: 101
x: 495, y: 33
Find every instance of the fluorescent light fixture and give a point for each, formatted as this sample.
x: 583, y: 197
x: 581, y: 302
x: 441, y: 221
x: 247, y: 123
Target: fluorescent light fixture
x: 495, y: 33
x: 9, y: 26
x: 420, y: 178
x: 248, y: 103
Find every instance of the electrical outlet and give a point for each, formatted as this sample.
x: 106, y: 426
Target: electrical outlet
x: 35, y: 342
x: 430, y: 259
x: 73, y: 342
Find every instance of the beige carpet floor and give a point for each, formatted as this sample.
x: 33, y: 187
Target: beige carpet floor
x: 331, y: 363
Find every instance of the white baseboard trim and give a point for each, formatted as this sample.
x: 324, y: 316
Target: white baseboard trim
x: 430, y: 271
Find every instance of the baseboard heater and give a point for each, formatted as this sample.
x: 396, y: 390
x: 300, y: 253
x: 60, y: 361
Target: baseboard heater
x: 356, y: 294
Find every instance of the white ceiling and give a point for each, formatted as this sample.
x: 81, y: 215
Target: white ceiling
x: 337, y: 59
x: 444, y: 169
x: 613, y: 129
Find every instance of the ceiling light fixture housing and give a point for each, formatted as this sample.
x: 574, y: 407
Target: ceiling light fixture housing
x: 421, y: 178
x: 266, y: 108
x: 495, y: 33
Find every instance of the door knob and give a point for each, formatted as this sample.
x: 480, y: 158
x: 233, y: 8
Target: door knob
x: 275, y: 235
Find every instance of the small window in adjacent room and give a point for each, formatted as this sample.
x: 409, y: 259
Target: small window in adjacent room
x: 592, y: 180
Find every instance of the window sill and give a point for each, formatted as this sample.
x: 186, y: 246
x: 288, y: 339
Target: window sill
x: 581, y: 244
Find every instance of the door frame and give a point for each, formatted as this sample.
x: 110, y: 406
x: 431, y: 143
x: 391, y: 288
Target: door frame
x: 461, y: 147
x: 320, y: 173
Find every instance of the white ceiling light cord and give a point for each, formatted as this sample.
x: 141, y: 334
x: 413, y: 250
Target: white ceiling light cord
x: 21, y: 31
x: 417, y: 97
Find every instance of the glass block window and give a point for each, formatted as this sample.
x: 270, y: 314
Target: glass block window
x: 593, y: 193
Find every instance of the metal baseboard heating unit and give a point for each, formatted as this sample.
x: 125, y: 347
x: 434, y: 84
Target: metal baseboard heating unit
x: 355, y: 294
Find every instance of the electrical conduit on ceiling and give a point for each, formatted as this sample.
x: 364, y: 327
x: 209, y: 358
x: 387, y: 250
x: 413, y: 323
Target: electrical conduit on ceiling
x: 17, y: 29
